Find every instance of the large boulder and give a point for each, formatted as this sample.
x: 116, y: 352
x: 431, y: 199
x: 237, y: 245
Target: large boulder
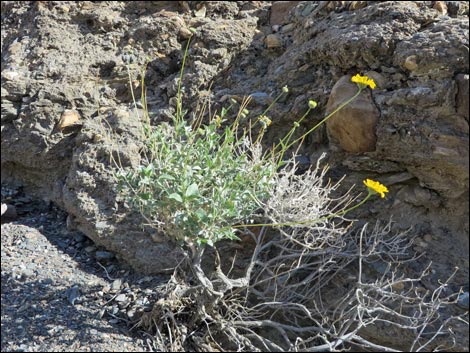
x: 352, y: 127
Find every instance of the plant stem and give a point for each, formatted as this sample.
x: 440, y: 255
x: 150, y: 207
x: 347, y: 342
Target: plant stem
x: 179, y: 102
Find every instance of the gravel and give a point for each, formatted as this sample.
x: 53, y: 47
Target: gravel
x: 56, y: 296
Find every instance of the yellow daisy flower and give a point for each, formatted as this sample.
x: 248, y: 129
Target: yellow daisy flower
x: 363, y: 81
x: 375, y: 187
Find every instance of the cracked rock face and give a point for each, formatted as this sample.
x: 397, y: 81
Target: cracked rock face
x: 412, y: 129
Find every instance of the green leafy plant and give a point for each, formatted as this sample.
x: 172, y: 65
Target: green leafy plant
x: 199, y: 180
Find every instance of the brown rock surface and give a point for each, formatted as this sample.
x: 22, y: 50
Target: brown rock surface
x: 353, y: 127
x: 279, y: 10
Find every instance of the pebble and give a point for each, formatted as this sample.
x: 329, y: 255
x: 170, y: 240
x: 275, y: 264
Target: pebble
x: 463, y: 301
x: 121, y: 298
x: 116, y: 285
x: 104, y: 255
x: 9, y: 213
x: 90, y: 248
x: 287, y: 28
x: 272, y: 41
x: 72, y: 294
x: 79, y: 237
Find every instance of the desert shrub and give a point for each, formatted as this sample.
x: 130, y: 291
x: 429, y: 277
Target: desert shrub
x: 202, y: 182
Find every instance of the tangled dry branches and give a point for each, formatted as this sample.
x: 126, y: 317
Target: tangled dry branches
x: 298, y: 290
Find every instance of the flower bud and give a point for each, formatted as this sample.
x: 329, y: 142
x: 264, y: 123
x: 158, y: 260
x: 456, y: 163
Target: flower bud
x: 285, y: 89
x: 312, y: 104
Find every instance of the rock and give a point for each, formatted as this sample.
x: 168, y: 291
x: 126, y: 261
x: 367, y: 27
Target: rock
x: 463, y: 300
x: 462, y: 95
x: 116, y: 285
x: 9, y: 213
x: 272, y: 41
x: 279, y: 11
x: 185, y: 32
x: 353, y: 127
x: 418, y: 196
x: 287, y: 28
x: 453, y: 7
x: 356, y: 5
x: 121, y: 298
x: 201, y: 12
x: 90, y: 248
x: 104, y: 255
x: 68, y: 119
x: 73, y: 293
x: 440, y: 6
x: 410, y: 63
x: 4, y: 208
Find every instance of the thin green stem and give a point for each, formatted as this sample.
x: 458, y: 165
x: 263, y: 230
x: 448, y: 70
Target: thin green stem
x: 327, y: 117
x: 179, y: 102
x: 272, y: 103
x: 286, y: 138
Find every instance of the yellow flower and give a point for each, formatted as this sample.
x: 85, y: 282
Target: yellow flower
x: 376, y: 187
x: 363, y: 81
x: 218, y: 120
x: 265, y: 121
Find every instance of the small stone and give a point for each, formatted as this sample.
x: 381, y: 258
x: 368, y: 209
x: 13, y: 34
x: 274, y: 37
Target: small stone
x: 68, y: 118
x: 185, y: 33
x: 272, y: 41
x: 97, y: 138
x: 410, y: 63
x: 116, y: 285
x: 356, y: 5
x: 131, y: 312
x: 101, y: 313
x: 309, y: 7
x: 121, y: 298
x: 104, y: 255
x: 440, y: 6
x: 463, y: 301
x: 79, y: 237
x: 462, y: 100
x: 64, y: 9
x: 398, y: 286
x: 427, y: 237
x: 90, y: 248
x: 287, y: 28
x: 72, y: 294
x: 421, y: 243
x: 8, y: 213
x: 201, y: 12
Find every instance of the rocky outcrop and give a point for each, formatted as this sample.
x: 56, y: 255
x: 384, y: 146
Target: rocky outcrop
x: 411, y: 131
